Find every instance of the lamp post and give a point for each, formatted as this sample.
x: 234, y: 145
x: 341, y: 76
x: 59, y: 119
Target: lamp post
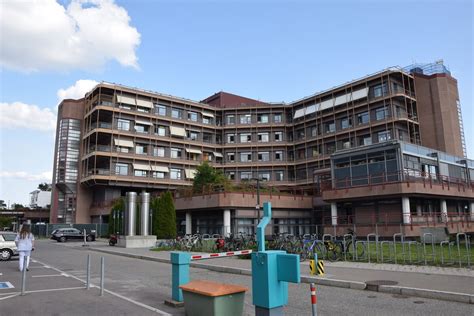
x: 257, y: 207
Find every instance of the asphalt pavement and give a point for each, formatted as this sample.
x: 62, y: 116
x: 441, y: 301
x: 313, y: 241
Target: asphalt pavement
x: 139, y: 287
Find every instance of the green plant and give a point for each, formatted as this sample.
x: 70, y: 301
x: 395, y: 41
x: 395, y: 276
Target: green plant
x: 165, y: 217
x: 116, y: 216
x: 208, y: 177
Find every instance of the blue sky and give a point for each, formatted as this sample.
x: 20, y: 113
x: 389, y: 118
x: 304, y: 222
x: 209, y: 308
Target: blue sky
x: 268, y: 50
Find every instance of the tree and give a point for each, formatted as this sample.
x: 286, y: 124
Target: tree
x: 44, y: 186
x: 117, y: 211
x: 165, y: 217
x: 2, y: 204
x: 206, y: 176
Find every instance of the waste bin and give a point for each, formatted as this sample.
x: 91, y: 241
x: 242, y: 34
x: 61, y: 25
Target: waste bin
x: 213, y: 299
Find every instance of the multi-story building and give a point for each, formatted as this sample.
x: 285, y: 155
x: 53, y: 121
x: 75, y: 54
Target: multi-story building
x: 118, y: 139
x: 40, y: 199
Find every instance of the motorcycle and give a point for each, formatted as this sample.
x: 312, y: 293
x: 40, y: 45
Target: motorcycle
x: 113, y: 239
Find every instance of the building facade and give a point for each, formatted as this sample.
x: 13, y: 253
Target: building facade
x: 40, y: 199
x: 118, y: 139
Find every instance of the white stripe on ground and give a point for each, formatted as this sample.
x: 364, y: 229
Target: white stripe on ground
x: 151, y: 308
x: 4, y: 298
x: 46, y: 275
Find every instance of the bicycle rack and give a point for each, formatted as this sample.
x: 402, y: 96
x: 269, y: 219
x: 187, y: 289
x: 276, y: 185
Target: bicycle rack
x: 324, y: 239
x: 376, y: 246
x: 418, y: 246
x: 467, y: 242
x: 357, y: 243
x: 450, y: 244
x: 432, y: 247
x: 351, y: 237
x: 402, y: 242
x: 389, y: 243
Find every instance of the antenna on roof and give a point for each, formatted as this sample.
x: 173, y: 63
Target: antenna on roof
x: 439, y: 62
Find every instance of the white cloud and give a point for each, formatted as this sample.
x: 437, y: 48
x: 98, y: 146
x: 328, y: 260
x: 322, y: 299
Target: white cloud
x: 76, y: 91
x: 44, y: 35
x: 21, y: 115
x: 46, y: 175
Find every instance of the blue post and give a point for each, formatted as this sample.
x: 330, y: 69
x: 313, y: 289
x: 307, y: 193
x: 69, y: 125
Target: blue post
x: 271, y: 272
x: 267, y: 215
x: 180, y: 273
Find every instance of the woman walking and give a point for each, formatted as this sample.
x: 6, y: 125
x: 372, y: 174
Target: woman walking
x: 25, y: 243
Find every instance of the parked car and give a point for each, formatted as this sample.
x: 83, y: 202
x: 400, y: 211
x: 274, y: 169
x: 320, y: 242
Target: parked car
x: 7, y: 245
x: 65, y: 234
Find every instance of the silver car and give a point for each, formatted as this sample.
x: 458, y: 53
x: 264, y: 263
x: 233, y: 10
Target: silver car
x: 7, y: 245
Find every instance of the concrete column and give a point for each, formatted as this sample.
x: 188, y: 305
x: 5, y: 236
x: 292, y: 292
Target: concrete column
x: 419, y: 210
x: 444, y: 211
x: 130, y: 213
x: 471, y: 210
x: 227, y: 230
x: 189, y: 222
x: 334, y: 214
x: 406, y: 210
x: 144, y: 213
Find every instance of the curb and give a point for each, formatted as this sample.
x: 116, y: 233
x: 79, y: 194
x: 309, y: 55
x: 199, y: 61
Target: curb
x: 390, y: 289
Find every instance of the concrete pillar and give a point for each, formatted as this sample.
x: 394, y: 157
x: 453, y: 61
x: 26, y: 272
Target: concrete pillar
x: 227, y: 230
x: 130, y: 213
x: 189, y: 222
x: 419, y: 210
x: 444, y: 211
x: 334, y: 214
x: 471, y: 210
x: 406, y: 210
x: 144, y: 213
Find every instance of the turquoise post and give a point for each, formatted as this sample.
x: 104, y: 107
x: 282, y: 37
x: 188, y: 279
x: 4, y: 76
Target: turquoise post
x: 180, y: 273
x: 267, y: 215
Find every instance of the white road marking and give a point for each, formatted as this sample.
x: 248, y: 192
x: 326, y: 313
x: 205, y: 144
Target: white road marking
x: 1, y: 273
x: 151, y: 308
x: 4, y: 298
x: 46, y: 275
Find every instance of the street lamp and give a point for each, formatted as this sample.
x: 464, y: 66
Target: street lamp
x: 257, y: 207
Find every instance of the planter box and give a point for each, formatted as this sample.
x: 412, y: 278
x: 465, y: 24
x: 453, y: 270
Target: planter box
x: 213, y: 299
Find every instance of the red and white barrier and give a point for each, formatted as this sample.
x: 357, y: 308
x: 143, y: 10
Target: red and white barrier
x: 221, y: 254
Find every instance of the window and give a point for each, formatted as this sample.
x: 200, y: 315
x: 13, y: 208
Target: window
x: 380, y: 90
x: 277, y: 118
x: 176, y: 153
x: 245, y: 137
x: 381, y: 113
x: 159, y: 151
x: 160, y: 130
x: 123, y: 149
x: 192, y: 135
x: 363, y: 118
x: 158, y: 175
x: 140, y: 129
x: 346, y: 123
x: 244, y: 157
x: 278, y: 136
x: 264, y: 175
x: 176, y: 113
x: 278, y: 175
x: 279, y: 155
x: 314, y: 131
x: 121, y: 169
x: 123, y: 125
x: 384, y: 136
x: 139, y: 173
x: 192, y: 116
x: 160, y: 109
x: 245, y: 119
x: 262, y: 118
x: 366, y: 140
x: 264, y: 156
x: 230, y: 138
x: 141, y: 149
x: 231, y: 175
x: 263, y: 137
x: 245, y: 175
x: 207, y: 137
x: 231, y: 157
x: 175, y: 174
x: 206, y: 120
x: 230, y: 119
x: 300, y: 134
x: 125, y: 106
x: 330, y: 127
x: 141, y: 109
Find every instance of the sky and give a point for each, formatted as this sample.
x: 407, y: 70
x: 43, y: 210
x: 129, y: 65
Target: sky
x: 267, y: 50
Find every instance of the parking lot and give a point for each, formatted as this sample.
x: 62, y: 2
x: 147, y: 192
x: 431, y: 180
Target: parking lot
x: 50, y: 291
